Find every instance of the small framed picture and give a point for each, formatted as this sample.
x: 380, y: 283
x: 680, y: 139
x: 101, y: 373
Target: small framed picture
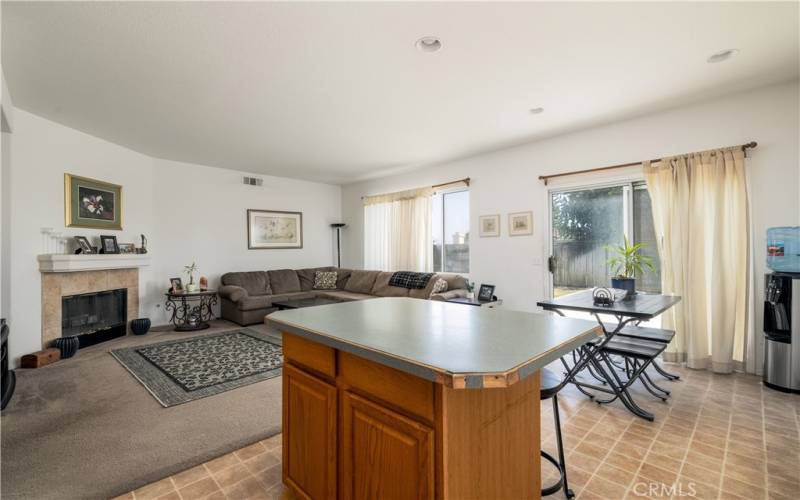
x: 520, y: 223
x: 489, y: 225
x: 108, y: 244
x: 175, y: 285
x: 84, y: 245
x: 486, y: 293
x: 127, y: 248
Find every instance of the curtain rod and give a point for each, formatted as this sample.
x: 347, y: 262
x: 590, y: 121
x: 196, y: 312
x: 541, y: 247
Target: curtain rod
x: 465, y: 180
x: 545, y: 178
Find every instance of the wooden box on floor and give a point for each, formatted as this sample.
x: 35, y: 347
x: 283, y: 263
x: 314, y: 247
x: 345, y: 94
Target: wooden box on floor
x: 354, y: 428
x: 41, y: 358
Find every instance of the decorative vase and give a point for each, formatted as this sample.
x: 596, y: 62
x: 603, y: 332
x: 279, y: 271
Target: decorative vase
x: 67, y: 345
x: 140, y: 326
x: 627, y: 284
x: 191, y: 287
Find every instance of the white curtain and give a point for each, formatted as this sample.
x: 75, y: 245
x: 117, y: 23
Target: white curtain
x: 397, y: 231
x: 701, y: 219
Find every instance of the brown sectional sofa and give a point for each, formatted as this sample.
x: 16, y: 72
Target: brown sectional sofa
x: 248, y: 296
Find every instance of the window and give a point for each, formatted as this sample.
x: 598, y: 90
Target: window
x: 585, y: 221
x: 450, y: 225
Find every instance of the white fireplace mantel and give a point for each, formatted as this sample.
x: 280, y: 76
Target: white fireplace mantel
x: 65, y: 263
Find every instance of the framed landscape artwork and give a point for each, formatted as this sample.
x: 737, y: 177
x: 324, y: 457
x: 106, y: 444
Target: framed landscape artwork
x: 520, y: 223
x: 92, y: 203
x: 274, y: 229
x: 489, y: 225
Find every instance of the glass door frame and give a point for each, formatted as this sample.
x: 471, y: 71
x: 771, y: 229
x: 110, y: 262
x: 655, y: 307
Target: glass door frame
x: 627, y: 184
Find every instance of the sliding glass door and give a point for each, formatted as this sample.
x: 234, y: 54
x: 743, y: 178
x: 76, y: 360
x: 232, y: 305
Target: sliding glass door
x: 585, y: 221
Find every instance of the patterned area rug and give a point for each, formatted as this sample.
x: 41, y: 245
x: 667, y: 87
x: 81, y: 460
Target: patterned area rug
x: 180, y: 371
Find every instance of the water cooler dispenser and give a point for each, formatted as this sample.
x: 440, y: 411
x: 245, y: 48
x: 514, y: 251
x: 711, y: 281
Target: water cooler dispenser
x: 782, y: 331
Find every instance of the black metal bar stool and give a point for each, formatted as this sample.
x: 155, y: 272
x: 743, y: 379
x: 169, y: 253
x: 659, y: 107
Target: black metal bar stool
x: 550, y: 384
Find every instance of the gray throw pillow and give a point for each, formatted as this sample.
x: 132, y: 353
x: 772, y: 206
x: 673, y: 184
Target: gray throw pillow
x: 325, y: 280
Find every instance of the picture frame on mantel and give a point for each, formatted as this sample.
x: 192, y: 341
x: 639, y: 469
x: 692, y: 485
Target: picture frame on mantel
x: 267, y: 229
x: 91, y: 203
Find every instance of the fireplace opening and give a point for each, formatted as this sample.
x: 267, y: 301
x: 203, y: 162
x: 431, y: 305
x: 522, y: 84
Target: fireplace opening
x: 95, y: 317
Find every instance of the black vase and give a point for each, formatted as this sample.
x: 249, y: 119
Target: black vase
x: 67, y: 345
x: 140, y: 326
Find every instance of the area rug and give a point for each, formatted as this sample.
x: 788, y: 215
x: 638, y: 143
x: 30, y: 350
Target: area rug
x: 179, y: 371
x: 84, y: 428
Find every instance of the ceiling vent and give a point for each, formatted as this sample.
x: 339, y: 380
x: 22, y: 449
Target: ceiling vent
x: 253, y: 181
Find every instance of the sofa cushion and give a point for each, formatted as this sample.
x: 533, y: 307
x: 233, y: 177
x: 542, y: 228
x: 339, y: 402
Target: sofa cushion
x: 325, y: 280
x: 361, y: 281
x: 382, y: 288
x: 454, y: 281
x: 342, y: 276
x: 344, y: 295
x: 255, y: 282
x: 306, y: 276
x: 284, y: 281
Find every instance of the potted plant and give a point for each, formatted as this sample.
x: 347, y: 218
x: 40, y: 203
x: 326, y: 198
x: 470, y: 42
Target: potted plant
x: 626, y: 263
x: 190, y: 270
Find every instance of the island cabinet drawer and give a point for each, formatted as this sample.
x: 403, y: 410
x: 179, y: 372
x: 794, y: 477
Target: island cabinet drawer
x: 311, y: 355
x: 383, y: 454
x: 404, y: 391
x: 309, y: 434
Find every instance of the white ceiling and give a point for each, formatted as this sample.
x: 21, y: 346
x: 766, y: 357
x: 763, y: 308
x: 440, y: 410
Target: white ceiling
x: 337, y: 92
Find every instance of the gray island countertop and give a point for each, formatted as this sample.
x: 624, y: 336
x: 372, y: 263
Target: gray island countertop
x: 451, y: 344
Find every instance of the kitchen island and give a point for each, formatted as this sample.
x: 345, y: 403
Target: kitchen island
x: 409, y: 398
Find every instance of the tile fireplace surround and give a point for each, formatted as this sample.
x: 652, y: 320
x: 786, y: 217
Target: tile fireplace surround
x: 56, y: 285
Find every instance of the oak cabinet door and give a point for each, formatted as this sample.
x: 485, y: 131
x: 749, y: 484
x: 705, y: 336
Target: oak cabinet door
x: 309, y: 426
x: 384, y: 454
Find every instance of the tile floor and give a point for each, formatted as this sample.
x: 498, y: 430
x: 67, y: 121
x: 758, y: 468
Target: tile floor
x: 718, y: 437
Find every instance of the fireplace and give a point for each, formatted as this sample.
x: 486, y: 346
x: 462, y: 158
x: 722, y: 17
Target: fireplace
x: 95, y: 317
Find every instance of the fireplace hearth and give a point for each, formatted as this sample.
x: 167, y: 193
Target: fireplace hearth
x: 94, y: 317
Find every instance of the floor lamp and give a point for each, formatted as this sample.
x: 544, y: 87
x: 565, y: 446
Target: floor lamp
x: 338, y: 226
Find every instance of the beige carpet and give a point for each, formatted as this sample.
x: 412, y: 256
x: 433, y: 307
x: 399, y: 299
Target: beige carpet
x: 85, y: 428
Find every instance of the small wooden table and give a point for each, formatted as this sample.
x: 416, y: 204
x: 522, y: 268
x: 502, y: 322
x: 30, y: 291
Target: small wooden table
x: 191, y: 311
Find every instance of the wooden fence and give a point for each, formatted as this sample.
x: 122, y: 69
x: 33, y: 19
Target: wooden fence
x: 582, y: 264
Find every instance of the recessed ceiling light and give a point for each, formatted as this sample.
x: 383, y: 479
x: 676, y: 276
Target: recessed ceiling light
x: 722, y: 55
x: 537, y: 111
x: 429, y: 44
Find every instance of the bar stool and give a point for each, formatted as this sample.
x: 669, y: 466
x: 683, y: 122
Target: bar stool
x: 551, y: 383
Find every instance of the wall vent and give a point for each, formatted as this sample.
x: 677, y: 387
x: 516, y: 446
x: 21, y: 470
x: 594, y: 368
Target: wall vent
x: 253, y: 181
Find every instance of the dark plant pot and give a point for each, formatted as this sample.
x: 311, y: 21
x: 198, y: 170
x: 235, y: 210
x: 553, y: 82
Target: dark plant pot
x: 627, y: 284
x: 67, y: 345
x: 140, y: 326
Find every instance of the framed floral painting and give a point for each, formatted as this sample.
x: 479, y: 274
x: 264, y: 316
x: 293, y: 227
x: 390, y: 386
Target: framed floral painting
x: 274, y: 229
x: 92, y: 203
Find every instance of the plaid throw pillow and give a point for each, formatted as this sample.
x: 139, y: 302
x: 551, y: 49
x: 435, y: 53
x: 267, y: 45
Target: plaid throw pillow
x: 325, y: 280
x: 439, y: 286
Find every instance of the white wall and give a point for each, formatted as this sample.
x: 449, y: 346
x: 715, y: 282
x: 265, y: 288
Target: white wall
x: 507, y: 181
x: 186, y: 211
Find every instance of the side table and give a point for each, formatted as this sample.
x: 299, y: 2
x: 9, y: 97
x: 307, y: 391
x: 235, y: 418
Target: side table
x: 191, y: 310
